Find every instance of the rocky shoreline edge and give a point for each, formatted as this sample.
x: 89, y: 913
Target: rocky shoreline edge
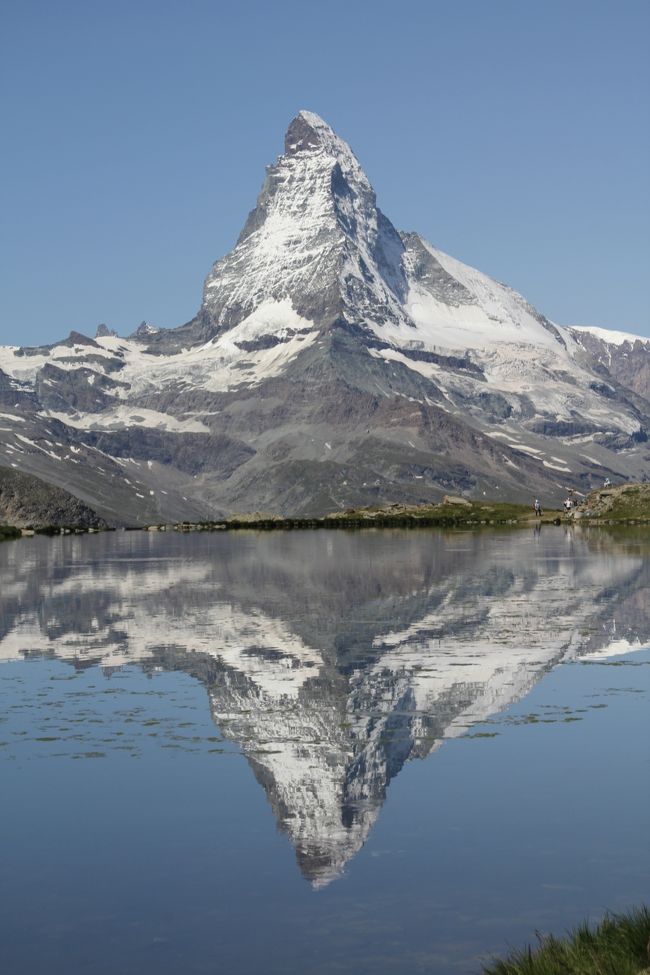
x: 625, y: 505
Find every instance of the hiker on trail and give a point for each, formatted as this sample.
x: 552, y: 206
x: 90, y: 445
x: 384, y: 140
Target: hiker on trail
x: 568, y: 504
x: 607, y: 483
x: 537, y: 507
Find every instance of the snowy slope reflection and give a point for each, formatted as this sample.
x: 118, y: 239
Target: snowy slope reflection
x: 330, y: 658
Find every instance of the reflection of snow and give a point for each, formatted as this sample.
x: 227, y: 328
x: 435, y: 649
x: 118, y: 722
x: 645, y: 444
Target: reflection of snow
x: 217, y: 628
x: 456, y: 633
x: 617, y: 648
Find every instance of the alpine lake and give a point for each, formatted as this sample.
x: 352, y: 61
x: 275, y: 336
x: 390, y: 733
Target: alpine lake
x: 310, y: 752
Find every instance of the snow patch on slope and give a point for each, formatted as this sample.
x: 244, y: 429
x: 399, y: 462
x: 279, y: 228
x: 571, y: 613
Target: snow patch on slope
x: 610, y: 336
x: 495, y: 315
x: 222, y: 363
x: 128, y: 416
x: 25, y: 367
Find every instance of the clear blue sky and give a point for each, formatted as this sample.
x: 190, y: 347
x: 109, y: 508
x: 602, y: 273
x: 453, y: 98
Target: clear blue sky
x: 513, y: 135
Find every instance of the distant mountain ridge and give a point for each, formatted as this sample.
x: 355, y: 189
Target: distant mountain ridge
x: 334, y: 361
x: 624, y: 356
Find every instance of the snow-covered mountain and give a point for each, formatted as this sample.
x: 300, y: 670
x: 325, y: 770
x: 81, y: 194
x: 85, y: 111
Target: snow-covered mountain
x: 333, y: 361
x: 623, y: 356
x: 331, y: 659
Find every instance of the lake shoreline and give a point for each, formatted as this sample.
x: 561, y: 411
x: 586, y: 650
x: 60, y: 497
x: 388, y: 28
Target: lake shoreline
x: 627, y: 505
x: 474, y: 516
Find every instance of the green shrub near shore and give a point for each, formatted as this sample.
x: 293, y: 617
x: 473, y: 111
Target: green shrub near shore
x: 619, y: 945
x: 8, y: 531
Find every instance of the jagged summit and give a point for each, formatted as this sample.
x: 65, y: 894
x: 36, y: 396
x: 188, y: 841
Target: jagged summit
x: 308, y: 132
x: 315, y: 239
x: 317, y: 243
x: 316, y: 251
x: 103, y: 331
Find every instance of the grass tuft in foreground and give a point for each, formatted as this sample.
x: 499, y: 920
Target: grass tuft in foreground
x: 619, y: 945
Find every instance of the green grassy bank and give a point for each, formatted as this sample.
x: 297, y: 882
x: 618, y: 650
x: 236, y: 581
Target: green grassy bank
x: 456, y: 514
x: 619, y: 945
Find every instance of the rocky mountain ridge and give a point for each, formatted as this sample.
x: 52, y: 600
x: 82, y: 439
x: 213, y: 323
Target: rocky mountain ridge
x: 334, y: 362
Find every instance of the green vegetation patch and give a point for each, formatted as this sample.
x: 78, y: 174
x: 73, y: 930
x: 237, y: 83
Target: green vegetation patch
x: 8, y: 531
x: 619, y: 945
x: 462, y: 513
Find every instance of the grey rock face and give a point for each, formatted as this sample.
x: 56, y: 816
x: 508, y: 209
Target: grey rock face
x: 103, y: 331
x: 28, y: 501
x: 626, y: 361
x: 425, y: 268
x: 82, y: 389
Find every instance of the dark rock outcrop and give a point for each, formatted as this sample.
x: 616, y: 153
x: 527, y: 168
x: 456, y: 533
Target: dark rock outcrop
x: 26, y: 501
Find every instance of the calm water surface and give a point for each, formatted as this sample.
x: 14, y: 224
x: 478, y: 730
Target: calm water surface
x: 383, y: 752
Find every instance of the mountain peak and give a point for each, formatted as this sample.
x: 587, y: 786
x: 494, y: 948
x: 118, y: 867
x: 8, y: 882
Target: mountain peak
x: 308, y: 131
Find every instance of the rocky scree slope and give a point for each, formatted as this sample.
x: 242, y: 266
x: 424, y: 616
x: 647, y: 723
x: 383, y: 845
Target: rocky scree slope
x: 621, y: 503
x: 334, y: 362
x: 26, y: 501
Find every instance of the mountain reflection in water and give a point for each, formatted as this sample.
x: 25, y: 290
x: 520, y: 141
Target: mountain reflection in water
x: 330, y: 658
